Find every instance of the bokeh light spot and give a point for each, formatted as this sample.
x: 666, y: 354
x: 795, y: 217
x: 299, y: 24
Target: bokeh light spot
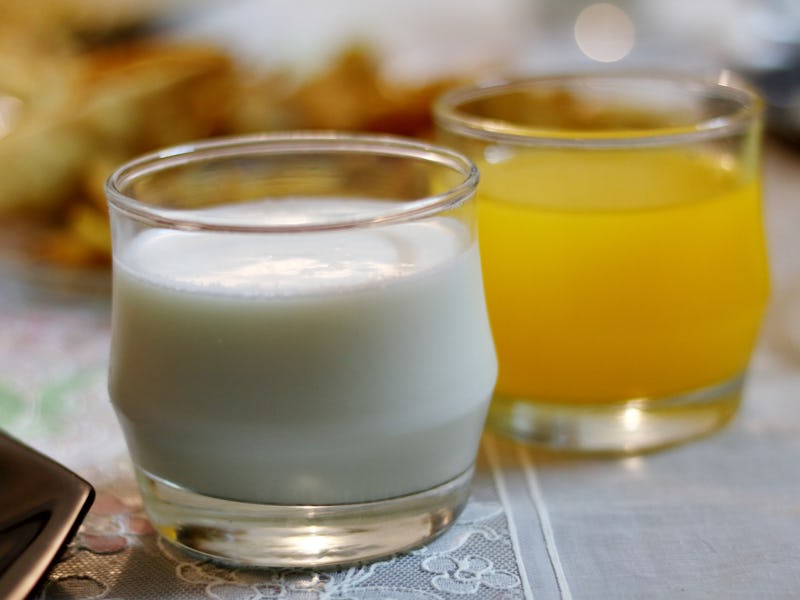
x: 604, y: 32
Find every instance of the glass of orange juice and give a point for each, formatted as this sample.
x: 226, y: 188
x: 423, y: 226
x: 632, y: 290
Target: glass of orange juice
x: 623, y: 252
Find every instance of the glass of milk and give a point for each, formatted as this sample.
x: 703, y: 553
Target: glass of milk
x: 301, y: 359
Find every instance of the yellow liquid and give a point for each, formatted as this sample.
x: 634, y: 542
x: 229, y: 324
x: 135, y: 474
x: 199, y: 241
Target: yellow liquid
x: 615, y: 275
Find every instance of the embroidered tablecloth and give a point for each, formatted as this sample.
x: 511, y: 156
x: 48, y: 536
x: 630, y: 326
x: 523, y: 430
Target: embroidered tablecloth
x: 718, y: 518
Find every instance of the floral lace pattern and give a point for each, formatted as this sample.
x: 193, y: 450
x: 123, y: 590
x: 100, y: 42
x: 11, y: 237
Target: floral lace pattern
x: 116, y: 546
x: 467, y: 575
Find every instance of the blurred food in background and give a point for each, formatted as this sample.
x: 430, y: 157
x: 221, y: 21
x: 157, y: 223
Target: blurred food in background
x: 84, y: 87
x: 87, y: 84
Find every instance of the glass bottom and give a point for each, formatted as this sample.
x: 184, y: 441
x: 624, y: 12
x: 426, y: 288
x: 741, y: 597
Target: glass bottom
x: 264, y: 535
x: 620, y: 428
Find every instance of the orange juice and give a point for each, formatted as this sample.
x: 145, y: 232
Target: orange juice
x: 620, y: 274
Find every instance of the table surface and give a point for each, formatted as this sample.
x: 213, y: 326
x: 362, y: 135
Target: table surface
x: 717, y: 518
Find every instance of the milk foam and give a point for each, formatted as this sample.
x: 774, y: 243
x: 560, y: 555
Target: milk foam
x: 290, y: 263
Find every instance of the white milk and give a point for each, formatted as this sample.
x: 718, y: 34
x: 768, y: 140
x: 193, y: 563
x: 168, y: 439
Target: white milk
x: 314, y: 368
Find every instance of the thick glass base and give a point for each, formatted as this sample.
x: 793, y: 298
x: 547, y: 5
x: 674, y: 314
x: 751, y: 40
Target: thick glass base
x: 240, y: 533
x: 619, y: 428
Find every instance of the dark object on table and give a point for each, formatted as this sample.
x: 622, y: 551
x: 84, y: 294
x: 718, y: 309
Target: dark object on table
x: 42, y: 504
x: 768, y: 53
x: 780, y: 87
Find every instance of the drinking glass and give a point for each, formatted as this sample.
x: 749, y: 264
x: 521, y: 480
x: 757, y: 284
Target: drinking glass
x: 623, y: 252
x: 301, y: 359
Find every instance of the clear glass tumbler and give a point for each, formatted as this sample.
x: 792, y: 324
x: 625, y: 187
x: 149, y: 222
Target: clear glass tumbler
x: 301, y: 359
x: 623, y: 252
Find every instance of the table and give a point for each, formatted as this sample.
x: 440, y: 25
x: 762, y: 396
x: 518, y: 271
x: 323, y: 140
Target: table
x: 717, y: 518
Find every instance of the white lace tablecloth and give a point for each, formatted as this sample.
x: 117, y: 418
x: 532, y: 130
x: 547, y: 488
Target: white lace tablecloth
x: 718, y: 518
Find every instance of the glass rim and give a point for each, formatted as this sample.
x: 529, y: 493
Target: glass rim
x: 283, y: 143
x: 448, y: 115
